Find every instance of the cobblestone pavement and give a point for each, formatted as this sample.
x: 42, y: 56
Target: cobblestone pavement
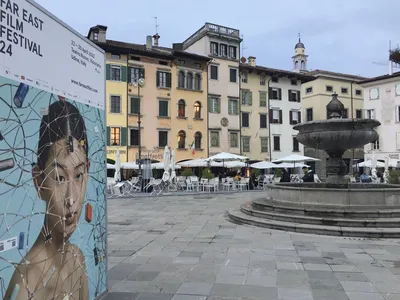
x: 185, y: 248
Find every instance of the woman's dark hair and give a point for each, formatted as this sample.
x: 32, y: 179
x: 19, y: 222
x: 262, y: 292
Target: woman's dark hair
x: 62, y: 121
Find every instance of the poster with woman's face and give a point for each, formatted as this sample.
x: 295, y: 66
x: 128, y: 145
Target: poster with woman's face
x: 53, y: 210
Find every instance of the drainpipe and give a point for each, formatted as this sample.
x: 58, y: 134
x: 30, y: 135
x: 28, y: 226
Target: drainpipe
x: 208, y: 114
x: 269, y: 121
x: 352, y: 119
x: 127, y: 107
x: 240, y: 112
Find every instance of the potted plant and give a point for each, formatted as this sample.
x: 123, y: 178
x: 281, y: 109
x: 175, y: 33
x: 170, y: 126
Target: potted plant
x: 187, y: 172
x: 207, y: 174
x: 394, y: 177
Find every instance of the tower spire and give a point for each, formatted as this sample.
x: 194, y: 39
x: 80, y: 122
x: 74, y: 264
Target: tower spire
x: 299, y: 37
x: 156, y: 36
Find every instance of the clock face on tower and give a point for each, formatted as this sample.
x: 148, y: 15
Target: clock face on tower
x: 397, y: 89
x: 373, y: 93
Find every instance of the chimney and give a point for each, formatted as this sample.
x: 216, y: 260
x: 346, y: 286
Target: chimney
x: 98, y: 33
x: 156, y: 37
x: 149, y: 42
x: 390, y: 67
x: 251, y: 61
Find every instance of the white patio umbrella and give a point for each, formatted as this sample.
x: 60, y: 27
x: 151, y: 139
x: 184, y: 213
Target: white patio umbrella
x: 263, y: 165
x: 172, y: 165
x: 225, y: 156
x: 167, y: 160
x: 290, y: 166
x: 117, y: 175
x: 199, y: 162
x: 160, y: 166
x: 110, y: 167
x: 130, y: 165
x: 369, y: 164
x: 295, y: 158
x: 235, y: 164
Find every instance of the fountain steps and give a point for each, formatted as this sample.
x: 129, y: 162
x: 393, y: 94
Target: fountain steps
x: 368, y: 228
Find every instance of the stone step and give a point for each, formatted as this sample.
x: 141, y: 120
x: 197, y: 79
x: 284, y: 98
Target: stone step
x: 268, y: 204
x: 240, y: 217
x: 249, y: 209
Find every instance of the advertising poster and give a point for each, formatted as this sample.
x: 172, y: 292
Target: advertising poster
x: 52, y: 158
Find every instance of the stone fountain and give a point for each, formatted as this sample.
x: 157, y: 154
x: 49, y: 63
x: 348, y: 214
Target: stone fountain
x: 335, y: 207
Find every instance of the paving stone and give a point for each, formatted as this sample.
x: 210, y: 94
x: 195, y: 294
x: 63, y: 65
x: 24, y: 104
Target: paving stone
x: 143, y: 276
x: 316, y: 267
x: 121, y: 271
x: 195, y: 288
x: 355, y: 286
x: 364, y: 296
x: 242, y: 291
x: 190, y: 254
x: 294, y: 294
x: 153, y: 296
x: 348, y: 276
x: 188, y: 297
x: 120, y: 296
x: 280, y: 265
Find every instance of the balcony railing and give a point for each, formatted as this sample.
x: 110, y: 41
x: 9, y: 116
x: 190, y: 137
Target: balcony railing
x: 209, y: 27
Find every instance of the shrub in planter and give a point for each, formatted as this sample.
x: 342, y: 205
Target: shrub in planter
x: 207, y: 174
x: 187, y: 172
x: 278, y: 173
x: 394, y: 177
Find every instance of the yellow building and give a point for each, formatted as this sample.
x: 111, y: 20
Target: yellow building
x: 157, y: 98
x: 316, y: 95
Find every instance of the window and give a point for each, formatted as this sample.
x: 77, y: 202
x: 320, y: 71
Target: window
x: 374, y: 94
x: 275, y: 94
x: 370, y: 114
x: 233, y: 108
x: 264, y: 144
x: 358, y: 92
x: 214, y: 72
x: 245, y: 119
x: 375, y: 145
x: 309, y: 90
x: 134, y: 137
x: 245, y: 143
x: 263, y: 121
x: 95, y: 36
x: 164, y: 63
x: 135, y: 74
x: 115, y: 104
x: 163, y: 79
x: 275, y: 115
x: 189, y: 82
x: 344, y: 90
x: 115, y: 73
x: 197, y: 110
x: 233, y: 139
x: 309, y: 113
x: 295, y: 145
x: 135, y: 105
x: 181, y: 139
x: 181, y: 108
x: 214, y: 138
x: 247, y: 97
x: 115, y: 135
x: 345, y: 113
x: 232, y: 52
x: 244, y: 77
x: 197, y: 65
x: 293, y: 81
x: 214, y: 48
x: 163, y: 108
x: 162, y: 138
x: 294, y: 96
x: 294, y: 117
x: 214, y: 105
x: 263, y: 99
x: 115, y: 56
x: 197, y: 140
x: 224, y: 50
x: 197, y: 82
x: 329, y: 88
x: 262, y: 80
x: 181, y: 62
x: 232, y: 75
x: 397, y: 113
x: 358, y: 114
x: 275, y: 79
x: 277, y: 143
x: 181, y: 80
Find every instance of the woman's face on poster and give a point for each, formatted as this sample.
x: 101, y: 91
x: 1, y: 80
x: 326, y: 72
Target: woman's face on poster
x: 62, y: 186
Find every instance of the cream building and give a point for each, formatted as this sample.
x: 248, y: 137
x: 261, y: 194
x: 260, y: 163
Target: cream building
x: 222, y: 45
x: 270, y: 106
x: 382, y: 102
x: 316, y: 95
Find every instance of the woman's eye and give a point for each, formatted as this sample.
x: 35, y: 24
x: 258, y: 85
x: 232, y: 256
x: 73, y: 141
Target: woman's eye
x: 79, y: 176
x: 60, y: 178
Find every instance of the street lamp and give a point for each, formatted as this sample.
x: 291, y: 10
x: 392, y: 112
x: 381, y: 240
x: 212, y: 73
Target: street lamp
x: 140, y: 83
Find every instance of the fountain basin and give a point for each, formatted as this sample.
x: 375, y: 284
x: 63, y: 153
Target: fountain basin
x: 337, y: 135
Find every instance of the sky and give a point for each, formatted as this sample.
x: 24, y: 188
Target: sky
x: 347, y: 36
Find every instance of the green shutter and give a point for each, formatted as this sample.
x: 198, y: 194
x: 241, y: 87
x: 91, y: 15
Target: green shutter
x: 209, y: 104
x: 169, y: 80
x: 280, y: 94
x: 108, y: 72
x: 123, y: 136
x: 129, y: 74
x: 123, y: 73
x: 142, y: 73
x: 158, y: 78
x: 108, y: 135
x: 250, y: 97
x: 219, y: 105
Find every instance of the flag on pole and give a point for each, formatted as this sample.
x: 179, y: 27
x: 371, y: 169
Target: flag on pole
x: 193, y: 148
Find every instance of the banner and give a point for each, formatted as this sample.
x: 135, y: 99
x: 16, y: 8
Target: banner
x: 52, y: 158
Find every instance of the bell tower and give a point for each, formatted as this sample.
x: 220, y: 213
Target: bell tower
x: 300, y: 57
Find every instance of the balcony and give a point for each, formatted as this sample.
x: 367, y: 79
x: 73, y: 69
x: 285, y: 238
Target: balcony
x: 213, y: 29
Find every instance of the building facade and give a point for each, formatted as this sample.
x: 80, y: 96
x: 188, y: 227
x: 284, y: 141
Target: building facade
x: 317, y: 94
x: 270, y: 105
x: 163, y: 120
x: 222, y: 44
x: 382, y: 102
